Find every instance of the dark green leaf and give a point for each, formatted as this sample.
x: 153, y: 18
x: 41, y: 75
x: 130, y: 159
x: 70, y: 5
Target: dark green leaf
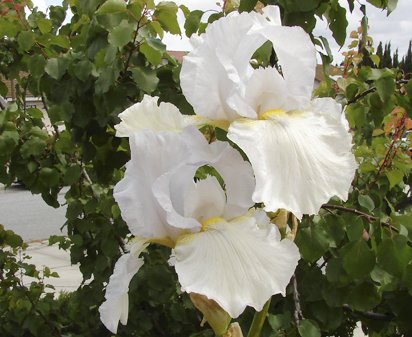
x: 145, y: 78
x: 338, y: 23
x: 394, y: 254
x: 364, y: 297
x: 358, y: 259
x: 308, y: 328
x: 192, y: 22
x: 247, y: 5
x: 49, y: 176
x: 312, y: 242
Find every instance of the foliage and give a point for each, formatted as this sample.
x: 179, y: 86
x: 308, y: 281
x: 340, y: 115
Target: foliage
x: 356, y: 256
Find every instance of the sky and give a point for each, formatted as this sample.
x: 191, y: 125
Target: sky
x: 396, y: 28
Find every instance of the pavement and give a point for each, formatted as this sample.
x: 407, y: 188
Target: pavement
x: 35, y: 221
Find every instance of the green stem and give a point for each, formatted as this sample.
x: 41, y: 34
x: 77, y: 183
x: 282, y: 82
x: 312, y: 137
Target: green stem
x: 259, y: 320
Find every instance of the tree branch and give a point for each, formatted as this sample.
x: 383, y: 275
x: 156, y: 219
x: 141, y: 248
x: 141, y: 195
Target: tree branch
x: 370, y: 314
x: 298, y: 309
x: 368, y: 217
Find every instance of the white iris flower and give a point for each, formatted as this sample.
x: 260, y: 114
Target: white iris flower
x: 299, y: 148
x: 220, y: 247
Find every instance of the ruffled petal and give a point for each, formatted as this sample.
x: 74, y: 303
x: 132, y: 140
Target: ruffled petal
x: 115, y: 308
x: 152, y: 155
x: 218, y: 65
x: 236, y: 264
x: 218, y: 80
x: 297, y: 58
x: 300, y: 159
x: 148, y: 115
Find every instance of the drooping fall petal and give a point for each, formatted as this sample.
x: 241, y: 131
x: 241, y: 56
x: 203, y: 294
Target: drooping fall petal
x: 115, y: 308
x: 236, y: 264
x: 300, y: 159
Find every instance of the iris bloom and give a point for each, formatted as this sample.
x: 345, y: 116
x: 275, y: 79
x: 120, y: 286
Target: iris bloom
x: 221, y: 248
x: 299, y: 147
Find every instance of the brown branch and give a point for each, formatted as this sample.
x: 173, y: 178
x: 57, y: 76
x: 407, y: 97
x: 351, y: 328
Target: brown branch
x: 368, y: 217
x: 298, y: 309
x: 370, y: 314
x: 361, y: 95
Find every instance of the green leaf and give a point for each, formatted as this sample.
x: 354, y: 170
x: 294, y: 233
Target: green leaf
x: 408, y: 278
x: 83, y: 69
x: 60, y: 41
x: 354, y: 228
x: 61, y: 112
x: 121, y: 34
x: 3, y: 89
x: 385, y: 87
x: 35, y: 113
x: 338, y: 23
x: 36, y: 65
x: 192, y: 22
x: 44, y: 25
x: 394, y: 176
x: 280, y: 321
x: 112, y: 7
x: 358, y: 260
x: 8, y: 28
x: 153, y: 50
x: 33, y: 147
x: 25, y: 40
x: 72, y: 174
x: 356, y: 115
x: 364, y: 297
x: 366, y: 202
x: 49, y: 176
x: 312, y: 242
x: 308, y: 328
x: 394, y: 254
x: 145, y: 78
x: 56, y: 67
x: 166, y: 14
x: 247, y: 5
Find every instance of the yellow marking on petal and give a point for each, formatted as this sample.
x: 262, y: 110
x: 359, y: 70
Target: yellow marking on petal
x: 166, y: 241
x: 269, y: 114
x: 211, y: 221
x: 201, y: 121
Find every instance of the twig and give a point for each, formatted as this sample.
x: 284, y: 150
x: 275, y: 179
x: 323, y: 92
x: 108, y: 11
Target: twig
x: 370, y: 314
x: 298, y: 310
x: 361, y: 95
x: 368, y: 217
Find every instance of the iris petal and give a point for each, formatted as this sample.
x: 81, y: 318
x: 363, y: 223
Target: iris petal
x: 236, y: 264
x: 300, y: 159
x: 115, y: 308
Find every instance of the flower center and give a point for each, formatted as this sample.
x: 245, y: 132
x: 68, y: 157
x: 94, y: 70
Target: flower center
x: 211, y: 221
x: 269, y: 114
